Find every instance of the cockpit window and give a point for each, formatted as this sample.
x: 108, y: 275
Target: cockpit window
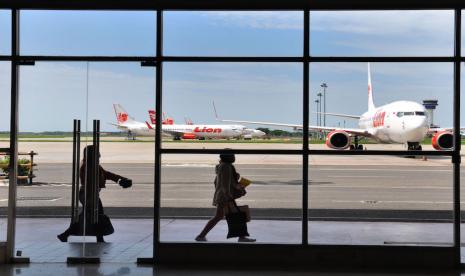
x: 409, y: 113
x: 419, y: 113
x: 400, y: 114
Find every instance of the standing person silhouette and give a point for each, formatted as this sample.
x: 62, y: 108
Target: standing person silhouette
x: 226, y: 189
x: 103, y: 227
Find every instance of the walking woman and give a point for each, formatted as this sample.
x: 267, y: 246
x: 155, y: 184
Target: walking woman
x: 227, y: 189
x: 83, y: 226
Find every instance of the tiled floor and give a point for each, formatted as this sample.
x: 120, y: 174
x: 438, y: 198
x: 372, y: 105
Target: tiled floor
x: 36, y: 238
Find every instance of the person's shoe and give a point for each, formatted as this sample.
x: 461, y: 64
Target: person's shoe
x: 100, y: 239
x: 200, y: 239
x: 62, y: 237
x: 245, y: 239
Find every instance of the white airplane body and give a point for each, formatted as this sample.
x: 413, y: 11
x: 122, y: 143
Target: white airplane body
x: 400, y: 122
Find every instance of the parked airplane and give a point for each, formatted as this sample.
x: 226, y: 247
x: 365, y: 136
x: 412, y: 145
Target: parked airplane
x: 125, y: 122
x: 400, y: 122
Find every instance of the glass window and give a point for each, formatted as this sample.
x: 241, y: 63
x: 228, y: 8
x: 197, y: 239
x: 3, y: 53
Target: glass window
x: 339, y: 101
x: 274, y: 197
x: 382, y: 33
x: 380, y: 200
x: 106, y: 33
x: 232, y: 105
x: 244, y: 33
x: 5, y: 32
x: 5, y: 77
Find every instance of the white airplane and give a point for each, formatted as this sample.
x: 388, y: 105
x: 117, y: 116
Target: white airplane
x: 400, y: 122
x: 125, y: 122
x: 196, y: 131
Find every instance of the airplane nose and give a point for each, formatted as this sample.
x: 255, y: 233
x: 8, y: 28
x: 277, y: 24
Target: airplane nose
x: 416, y: 129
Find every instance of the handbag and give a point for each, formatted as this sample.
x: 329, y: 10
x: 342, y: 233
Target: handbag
x: 237, y: 223
x: 238, y: 192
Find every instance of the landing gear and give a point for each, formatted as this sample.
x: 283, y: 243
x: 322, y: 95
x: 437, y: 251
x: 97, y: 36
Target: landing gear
x: 176, y: 138
x: 356, y: 145
x: 131, y: 136
x: 414, y: 146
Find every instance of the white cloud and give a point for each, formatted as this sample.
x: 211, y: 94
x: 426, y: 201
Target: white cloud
x: 259, y: 20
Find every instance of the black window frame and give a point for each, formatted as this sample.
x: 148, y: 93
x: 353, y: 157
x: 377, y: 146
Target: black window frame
x: 158, y: 60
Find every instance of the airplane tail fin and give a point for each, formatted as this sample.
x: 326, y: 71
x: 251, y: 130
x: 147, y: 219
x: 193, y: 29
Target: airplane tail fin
x: 371, y: 105
x: 152, y: 116
x: 121, y: 115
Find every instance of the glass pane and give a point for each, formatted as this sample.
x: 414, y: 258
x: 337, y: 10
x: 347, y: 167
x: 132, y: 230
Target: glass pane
x: 402, y: 115
x: 382, y: 33
x: 113, y: 87
x: 51, y: 96
x: 5, y: 78
x: 107, y: 33
x: 5, y: 32
x: 245, y: 95
x: 274, y: 197
x: 380, y: 200
x: 264, y: 33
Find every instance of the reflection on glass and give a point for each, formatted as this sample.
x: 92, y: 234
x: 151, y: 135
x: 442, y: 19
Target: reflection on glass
x: 382, y: 33
x: 226, y: 105
x: 244, y: 33
x: 274, y: 197
x: 107, y: 33
x: 5, y: 32
x: 4, y: 143
x: 381, y: 106
x: 380, y: 200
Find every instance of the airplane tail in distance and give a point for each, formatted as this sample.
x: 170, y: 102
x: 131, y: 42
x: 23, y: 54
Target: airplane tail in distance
x: 152, y: 116
x: 121, y: 115
x: 371, y: 105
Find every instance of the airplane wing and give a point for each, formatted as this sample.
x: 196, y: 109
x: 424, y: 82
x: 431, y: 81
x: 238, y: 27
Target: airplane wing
x: 353, y: 131
x: 339, y: 115
x: 119, y: 126
x: 434, y: 130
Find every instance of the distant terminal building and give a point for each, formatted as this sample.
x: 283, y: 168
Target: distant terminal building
x: 430, y: 106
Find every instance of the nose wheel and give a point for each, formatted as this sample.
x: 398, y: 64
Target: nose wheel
x: 414, y: 146
x: 356, y: 145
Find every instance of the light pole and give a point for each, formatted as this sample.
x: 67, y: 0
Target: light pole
x: 319, y: 111
x: 324, y: 102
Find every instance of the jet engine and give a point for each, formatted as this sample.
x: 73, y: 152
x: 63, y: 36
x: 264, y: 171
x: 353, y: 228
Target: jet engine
x: 443, y: 140
x: 188, y: 136
x: 338, y: 140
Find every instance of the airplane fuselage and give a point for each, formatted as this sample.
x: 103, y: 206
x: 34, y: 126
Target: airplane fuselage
x: 396, y: 122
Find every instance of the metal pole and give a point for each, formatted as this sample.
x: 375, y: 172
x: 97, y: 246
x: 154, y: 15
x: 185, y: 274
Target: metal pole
x: 13, y: 165
x: 73, y: 181
x: 324, y: 103
x: 306, y: 117
x: 456, y: 159
x: 158, y: 125
x: 77, y: 173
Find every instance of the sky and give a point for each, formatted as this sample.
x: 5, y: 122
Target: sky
x: 52, y: 94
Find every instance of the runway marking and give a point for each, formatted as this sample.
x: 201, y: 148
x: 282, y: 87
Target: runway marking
x: 362, y: 176
x: 190, y: 165
x: 388, y: 170
x: 393, y: 201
